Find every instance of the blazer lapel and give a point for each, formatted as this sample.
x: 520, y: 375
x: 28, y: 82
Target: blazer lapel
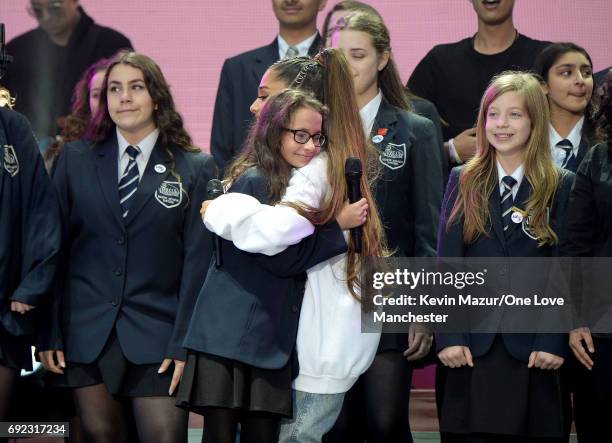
x: 520, y: 201
x: 151, y: 180
x: 384, y: 125
x: 495, y: 211
x: 265, y: 57
x: 107, y: 168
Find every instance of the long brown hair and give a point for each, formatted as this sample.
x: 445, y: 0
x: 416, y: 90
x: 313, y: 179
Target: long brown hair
x: 74, y: 125
x: 389, y: 80
x: 167, y: 119
x: 479, y: 178
x: 329, y: 76
x: 264, y: 142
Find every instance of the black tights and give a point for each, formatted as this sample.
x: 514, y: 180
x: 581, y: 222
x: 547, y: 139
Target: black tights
x: 220, y: 425
x: 376, y: 408
x: 103, y: 418
x: 8, y: 380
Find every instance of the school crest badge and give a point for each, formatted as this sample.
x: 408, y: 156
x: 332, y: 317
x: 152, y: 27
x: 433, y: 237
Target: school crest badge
x: 169, y: 194
x: 526, y: 225
x: 394, y: 156
x: 11, y: 163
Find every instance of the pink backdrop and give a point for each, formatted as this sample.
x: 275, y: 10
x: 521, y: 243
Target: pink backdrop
x: 191, y: 38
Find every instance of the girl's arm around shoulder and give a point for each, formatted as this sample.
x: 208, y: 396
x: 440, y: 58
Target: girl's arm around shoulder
x: 242, y: 217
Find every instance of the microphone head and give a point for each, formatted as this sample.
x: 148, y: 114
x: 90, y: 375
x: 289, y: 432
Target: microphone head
x: 214, y: 188
x: 352, y: 166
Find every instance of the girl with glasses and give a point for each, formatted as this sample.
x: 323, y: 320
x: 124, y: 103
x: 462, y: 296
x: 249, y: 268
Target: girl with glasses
x: 331, y: 349
x: 243, y: 328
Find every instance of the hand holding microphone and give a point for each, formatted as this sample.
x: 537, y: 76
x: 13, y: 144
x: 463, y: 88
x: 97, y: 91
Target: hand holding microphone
x: 214, y: 189
x: 353, y: 171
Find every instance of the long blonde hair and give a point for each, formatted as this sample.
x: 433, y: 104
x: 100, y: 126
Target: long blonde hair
x: 479, y: 176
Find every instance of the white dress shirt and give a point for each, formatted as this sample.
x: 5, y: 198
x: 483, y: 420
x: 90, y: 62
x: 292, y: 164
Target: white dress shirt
x: 145, y: 145
x: 575, y: 136
x: 301, y: 47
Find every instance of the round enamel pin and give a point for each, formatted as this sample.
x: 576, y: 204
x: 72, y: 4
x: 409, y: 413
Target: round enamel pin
x: 160, y: 168
x: 516, y: 217
x: 377, y: 138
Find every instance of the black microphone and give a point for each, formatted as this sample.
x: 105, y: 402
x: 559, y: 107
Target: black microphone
x: 5, y: 59
x: 214, y: 189
x: 352, y: 171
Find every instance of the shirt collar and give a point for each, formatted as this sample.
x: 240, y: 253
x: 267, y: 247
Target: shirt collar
x: 301, y: 47
x: 145, y: 145
x: 518, y: 175
x: 575, y: 136
x: 368, y: 113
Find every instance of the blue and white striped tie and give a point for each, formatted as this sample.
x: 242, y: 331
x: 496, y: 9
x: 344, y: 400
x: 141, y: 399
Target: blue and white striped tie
x: 507, y: 202
x: 129, y: 180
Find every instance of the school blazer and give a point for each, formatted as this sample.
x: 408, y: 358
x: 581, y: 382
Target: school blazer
x: 29, y: 227
x: 586, y: 142
x: 428, y: 110
x: 140, y: 275
x: 518, y: 244
x: 248, y: 309
x: 409, y: 189
x: 589, y: 218
x: 238, y: 84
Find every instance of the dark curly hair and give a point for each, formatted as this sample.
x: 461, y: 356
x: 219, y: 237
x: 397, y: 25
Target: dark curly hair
x: 169, y: 122
x: 604, y: 124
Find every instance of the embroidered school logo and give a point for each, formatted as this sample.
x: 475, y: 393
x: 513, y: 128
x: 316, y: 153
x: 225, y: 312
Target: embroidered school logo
x: 169, y: 194
x: 394, y: 156
x: 526, y: 224
x: 11, y: 164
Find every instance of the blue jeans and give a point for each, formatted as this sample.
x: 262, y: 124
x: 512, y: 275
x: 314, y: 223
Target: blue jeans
x: 313, y: 416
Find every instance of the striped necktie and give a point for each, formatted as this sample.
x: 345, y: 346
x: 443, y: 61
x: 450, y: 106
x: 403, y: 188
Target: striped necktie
x: 507, y: 202
x: 568, y: 149
x: 291, y: 52
x: 129, y: 180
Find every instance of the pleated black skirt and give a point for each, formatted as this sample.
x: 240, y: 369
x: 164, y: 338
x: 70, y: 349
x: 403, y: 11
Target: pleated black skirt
x: 120, y: 376
x: 213, y: 381
x: 500, y: 395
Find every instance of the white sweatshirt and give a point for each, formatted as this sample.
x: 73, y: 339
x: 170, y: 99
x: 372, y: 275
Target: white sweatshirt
x: 332, y: 350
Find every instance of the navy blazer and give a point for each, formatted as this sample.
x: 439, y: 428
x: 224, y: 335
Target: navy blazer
x: 140, y: 275
x: 587, y: 140
x: 518, y: 244
x: 248, y: 309
x: 428, y: 110
x: 30, y: 226
x: 238, y: 84
x: 409, y: 189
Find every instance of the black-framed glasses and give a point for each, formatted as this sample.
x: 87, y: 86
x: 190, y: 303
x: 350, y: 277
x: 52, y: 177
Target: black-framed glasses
x: 302, y: 137
x: 54, y: 8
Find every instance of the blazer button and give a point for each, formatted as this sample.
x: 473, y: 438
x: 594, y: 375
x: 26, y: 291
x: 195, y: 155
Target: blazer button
x: 118, y: 272
x: 294, y: 308
x: 121, y: 241
x: 114, y: 303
